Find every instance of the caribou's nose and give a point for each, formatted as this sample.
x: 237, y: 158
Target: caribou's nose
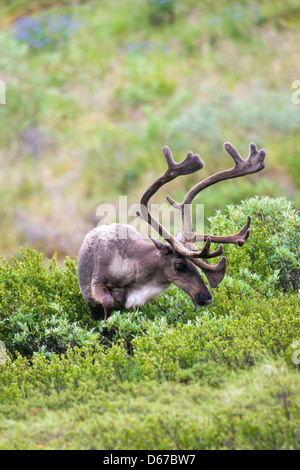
x: 207, y: 301
x: 202, y: 300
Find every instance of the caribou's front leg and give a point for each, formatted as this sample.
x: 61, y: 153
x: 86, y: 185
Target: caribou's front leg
x: 102, y: 295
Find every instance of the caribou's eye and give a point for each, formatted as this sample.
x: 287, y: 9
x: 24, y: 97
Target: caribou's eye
x: 180, y: 267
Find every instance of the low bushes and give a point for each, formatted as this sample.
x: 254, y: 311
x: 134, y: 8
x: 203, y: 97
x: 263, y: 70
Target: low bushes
x: 223, y: 377
x: 269, y: 261
x: 255, y: 309
x: 41, y: 308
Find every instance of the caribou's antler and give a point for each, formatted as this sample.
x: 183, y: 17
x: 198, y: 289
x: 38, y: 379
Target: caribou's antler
x: 190, y: 164
x: 185, y: 247
x: 253, y: 164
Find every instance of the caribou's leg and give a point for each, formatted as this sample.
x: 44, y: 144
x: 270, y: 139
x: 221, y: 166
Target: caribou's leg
x: 102, y: 295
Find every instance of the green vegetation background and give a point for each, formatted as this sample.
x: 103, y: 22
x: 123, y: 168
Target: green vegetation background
x: 94, y: 90
x: 88, y: 113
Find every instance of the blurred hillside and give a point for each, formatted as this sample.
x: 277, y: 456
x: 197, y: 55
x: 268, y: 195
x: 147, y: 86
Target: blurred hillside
x: 95, y: 89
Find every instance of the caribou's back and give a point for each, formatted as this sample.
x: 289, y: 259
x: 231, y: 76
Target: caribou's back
x: 113, y: 255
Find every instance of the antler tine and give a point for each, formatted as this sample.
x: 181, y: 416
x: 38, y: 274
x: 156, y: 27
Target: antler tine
x: 253, y: 164
x: 190, y: 164
x: 206, y: 254
x: 238, y: 238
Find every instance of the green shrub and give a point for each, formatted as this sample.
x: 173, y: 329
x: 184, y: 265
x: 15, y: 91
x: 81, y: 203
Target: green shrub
x: 41, y: 308
x: 269, y: 260
x: 234, y: 333
x: 204, y: 350
x: 79, y: 368
x: 218, y: 378
x: 69, y: 400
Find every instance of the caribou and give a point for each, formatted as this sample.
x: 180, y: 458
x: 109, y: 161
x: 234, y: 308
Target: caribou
x: 122, y: 272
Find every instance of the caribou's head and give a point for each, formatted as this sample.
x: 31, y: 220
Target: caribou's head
x: 179, y: 270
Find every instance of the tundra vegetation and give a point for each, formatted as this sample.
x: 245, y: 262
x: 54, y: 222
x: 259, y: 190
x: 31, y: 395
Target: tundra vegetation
x: 111, y: 86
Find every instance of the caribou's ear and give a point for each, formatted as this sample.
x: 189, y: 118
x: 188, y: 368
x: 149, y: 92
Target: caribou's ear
x: 215, y: 273
x: 164, y: 248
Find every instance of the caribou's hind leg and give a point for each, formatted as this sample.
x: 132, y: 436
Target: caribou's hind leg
x: 102, y: 295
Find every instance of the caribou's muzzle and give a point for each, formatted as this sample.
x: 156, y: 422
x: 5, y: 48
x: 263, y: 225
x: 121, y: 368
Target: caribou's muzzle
x: 200, y: 300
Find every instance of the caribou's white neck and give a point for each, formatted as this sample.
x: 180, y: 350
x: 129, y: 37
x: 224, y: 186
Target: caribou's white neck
x: 138, y: 296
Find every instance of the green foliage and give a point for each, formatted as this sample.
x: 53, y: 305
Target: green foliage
x: 258, y: 409
x: 270, y: 259
x: 237, y: 335
x: 224, y: 377
x: 144, y: 83
x: 88, y: 366
x: 41, y: 308
x: 217, y: 112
